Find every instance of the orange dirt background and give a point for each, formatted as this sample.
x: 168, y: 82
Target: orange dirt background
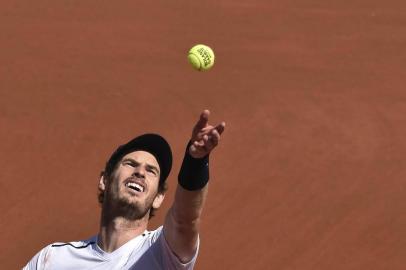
x: 311, y: 170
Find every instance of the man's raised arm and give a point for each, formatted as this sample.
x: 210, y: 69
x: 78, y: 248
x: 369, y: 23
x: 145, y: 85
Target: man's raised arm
x: 181, y: 228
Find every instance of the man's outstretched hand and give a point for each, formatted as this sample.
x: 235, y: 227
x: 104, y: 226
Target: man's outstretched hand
x: 205, y: 137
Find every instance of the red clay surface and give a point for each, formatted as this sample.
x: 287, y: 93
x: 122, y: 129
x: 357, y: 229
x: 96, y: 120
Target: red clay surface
x: 311, y: 170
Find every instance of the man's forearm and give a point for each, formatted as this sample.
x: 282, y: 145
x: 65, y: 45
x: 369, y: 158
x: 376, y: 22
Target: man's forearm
x: 188, y: 205
x: 183, y: 220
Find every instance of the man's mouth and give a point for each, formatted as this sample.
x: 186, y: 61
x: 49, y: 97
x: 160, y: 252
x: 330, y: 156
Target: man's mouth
x: 135, y: 186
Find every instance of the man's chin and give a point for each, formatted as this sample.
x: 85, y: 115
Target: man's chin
x: 130, y: 209
x: 128, y: 203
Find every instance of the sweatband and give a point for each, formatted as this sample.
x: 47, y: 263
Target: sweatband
x: 194, y: 172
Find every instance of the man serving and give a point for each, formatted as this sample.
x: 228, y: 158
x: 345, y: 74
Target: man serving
x: 132, y: 186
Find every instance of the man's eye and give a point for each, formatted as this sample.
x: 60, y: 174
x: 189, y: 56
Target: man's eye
x: 152, y: 171
x: 129, y: 164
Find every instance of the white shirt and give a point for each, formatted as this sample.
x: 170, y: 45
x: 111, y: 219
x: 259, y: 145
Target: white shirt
x: 147, y: 251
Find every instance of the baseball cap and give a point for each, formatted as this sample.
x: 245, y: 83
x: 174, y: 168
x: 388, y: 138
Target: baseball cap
x: 151, y: 143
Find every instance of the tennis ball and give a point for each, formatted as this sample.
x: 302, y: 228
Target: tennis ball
x: 201, y: 57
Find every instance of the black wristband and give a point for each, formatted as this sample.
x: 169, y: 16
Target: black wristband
x: 194, y: 172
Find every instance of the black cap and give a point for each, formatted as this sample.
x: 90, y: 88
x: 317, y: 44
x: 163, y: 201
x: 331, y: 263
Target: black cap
x: 151, y: 143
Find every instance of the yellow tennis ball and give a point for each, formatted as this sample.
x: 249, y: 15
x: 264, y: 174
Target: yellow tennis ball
x: 201, y: 57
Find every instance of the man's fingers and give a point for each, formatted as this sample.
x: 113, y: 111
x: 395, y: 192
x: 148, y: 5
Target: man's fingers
x: 215, y: 137
x: 208, y: 143
x: 212, y: 134
x: 203, y: 120
x: 208, y: 129
x: 220, y: 127
x: 195, y: 146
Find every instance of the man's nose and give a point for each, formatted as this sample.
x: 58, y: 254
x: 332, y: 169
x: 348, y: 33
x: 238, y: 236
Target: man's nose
x: 139, y: 172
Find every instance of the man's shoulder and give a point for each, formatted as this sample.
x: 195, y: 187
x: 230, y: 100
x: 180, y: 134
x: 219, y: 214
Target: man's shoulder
x: 154, y: 233
x: 59, y: 251
x: 81, y: 244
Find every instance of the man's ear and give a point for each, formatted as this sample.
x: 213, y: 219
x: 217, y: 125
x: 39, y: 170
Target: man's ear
x: 102, y: 182
x: 158, y: 200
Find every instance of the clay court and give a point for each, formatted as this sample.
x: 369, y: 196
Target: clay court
x: 310, y: 173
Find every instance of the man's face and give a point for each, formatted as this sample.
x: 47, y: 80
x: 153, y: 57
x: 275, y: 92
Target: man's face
x: 133, y: 185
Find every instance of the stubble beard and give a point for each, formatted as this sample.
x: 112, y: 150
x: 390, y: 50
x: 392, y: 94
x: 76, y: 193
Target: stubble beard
x: 131, y: 210
x: 121, y: 206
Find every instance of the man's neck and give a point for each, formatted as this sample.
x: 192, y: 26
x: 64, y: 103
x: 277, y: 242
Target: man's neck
x: 118, y: 231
